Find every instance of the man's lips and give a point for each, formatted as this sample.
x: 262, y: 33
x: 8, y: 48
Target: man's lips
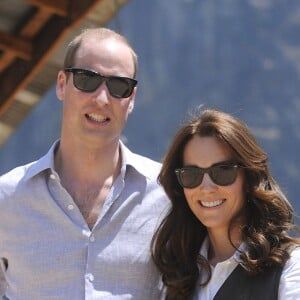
x: 97, y: 118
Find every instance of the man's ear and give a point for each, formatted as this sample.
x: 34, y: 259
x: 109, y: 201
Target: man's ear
x: 131, y: 105
x: 132, y: 99
x: 61, y: 82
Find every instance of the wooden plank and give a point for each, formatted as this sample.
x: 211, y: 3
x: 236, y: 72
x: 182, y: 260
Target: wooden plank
x: 6, y: 59
x: 18, y: 46
x: 15, y: 116
x: 35, y: 23
x: 20, y: 72
x: 59, y: 7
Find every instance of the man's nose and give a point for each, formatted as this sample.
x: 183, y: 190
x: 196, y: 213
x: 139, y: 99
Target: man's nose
x: 101, y: 94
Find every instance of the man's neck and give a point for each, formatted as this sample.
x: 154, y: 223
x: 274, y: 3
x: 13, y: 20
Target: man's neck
x: 86, y: 164
x: 88, y: 174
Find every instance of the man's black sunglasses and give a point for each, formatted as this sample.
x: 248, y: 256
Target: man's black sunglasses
x: 223, y: 173
x: 88, y: 81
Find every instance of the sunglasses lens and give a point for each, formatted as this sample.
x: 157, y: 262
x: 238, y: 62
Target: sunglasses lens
x: 86, y: 81
x: 120, y: 87
x: 190, y: 177
x: 223, y: 174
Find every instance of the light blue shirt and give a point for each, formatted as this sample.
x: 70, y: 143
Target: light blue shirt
x: 47, y: 250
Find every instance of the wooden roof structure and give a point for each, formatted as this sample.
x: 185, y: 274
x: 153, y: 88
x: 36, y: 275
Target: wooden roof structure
x: 33, y: 37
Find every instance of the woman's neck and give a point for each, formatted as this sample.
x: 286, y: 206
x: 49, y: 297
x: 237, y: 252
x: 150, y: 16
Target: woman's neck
x: 220, y: 248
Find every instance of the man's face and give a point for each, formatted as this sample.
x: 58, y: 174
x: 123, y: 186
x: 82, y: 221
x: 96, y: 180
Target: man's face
x: 96, y: 117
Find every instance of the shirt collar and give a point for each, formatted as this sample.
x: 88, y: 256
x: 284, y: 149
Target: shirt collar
x: 44, y: 163
x: 128, y: 159
x: 235, y: 256
x: 138, y: 162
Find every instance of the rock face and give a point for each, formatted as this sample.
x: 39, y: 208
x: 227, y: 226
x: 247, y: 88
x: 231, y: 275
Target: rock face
x: 239, y: 56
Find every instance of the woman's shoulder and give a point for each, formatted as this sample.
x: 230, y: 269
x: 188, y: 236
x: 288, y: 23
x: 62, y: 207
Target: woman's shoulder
x: 292, y: 266
x: 289, y: 287
x: 294, y: 255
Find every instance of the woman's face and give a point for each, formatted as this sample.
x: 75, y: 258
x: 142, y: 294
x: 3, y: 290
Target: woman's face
x: 214, y: 205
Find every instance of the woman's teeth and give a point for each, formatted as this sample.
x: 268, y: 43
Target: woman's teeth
x: 211, y: 203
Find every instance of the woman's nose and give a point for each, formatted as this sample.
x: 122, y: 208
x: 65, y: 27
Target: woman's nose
x: 207, y: 183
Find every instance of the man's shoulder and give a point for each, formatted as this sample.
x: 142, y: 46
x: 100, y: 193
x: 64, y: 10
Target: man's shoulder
x: 10, y: 180
x: 145, y: 165
x: 147, y: 161
x: 22, y: 173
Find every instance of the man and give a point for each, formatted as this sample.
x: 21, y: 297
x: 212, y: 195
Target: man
x: 77, y: 224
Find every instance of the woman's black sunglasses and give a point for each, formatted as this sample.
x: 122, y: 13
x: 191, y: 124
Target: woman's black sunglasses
x: 88, y: 81
x: 223, y: 173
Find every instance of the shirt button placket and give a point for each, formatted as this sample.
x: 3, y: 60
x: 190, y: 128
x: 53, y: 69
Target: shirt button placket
x: 89, y: 276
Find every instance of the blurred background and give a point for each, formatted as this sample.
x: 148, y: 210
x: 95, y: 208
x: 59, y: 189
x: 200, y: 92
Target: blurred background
x: 239, y: 56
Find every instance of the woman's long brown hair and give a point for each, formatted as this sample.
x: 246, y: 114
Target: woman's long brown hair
x: 267, y: 213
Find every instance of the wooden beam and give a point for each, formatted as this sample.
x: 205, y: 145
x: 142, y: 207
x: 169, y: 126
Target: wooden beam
x: 59, y: 7
x: 19, y: 47
x: 6, y: 59
x: 35, y: 23
x: 28, y: 32
x: 20, y: 72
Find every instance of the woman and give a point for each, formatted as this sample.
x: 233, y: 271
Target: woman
x: 226, y: 235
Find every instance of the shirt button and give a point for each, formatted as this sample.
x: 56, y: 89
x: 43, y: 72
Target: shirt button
x: 90, y: 277
x: 92, y: 238
x: 52, y: 176
x: 70, y: 207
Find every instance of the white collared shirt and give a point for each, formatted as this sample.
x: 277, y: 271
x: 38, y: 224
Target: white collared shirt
x: 289, y: 286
